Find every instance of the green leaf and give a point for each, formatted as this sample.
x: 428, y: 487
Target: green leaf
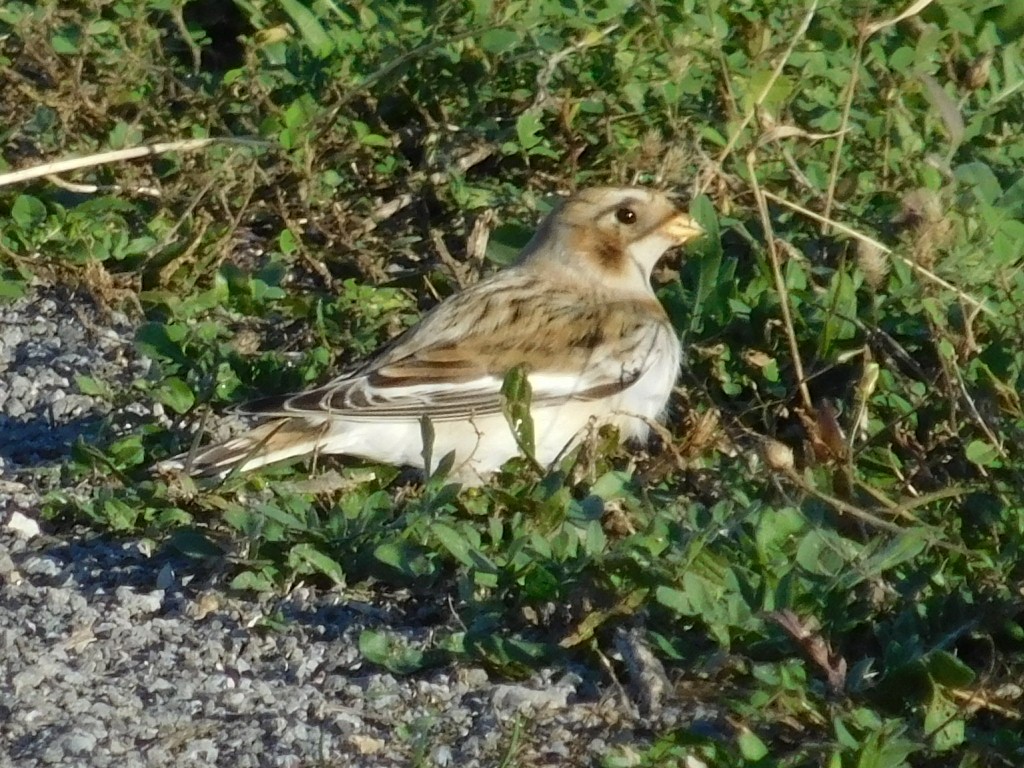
x: 982, y: 453
x: 406, y: 558
x: 282, y: 517
x: 981, y: 178
x: 385, y: 650
x: 886, y: 555
x: 822, y: 552
x: 528, y: 125
x: 841, y: 304
x: 193, y: 543
x: 315, y: 561
x: 13, y: 289
x: 497, y: 41
x: 676, y: 599
x: 514, y: 656
x: 256, y: 581
x: 312, y: 32
x: 66, y: 43
x: 28, y: 212
x: 943, y: 719
x: 947, y: 670
x: 636, y: 93
x: 506, y: 242
x: 454, y: 542
x: 288, y: 242
x: 516, y: 393
x: 124, y: 135
x: 751, y: 747
x: 127, y: 452
x: 158, y: 340
x: 710, y: 282
x: 612, y: 485
x: 175, y: 394
x: 87, y: 385
x: 120, y: 515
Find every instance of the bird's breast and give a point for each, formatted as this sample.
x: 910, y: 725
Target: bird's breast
x: 658, y: 367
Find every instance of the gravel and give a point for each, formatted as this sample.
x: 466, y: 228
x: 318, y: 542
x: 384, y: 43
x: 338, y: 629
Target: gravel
x: 112, y: 655
x: 47, y: 342
x: 116, y: 652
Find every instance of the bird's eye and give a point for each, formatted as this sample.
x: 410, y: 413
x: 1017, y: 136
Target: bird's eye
x: 626, y: 216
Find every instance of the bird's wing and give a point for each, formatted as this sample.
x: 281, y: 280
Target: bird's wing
x: 453, y: 363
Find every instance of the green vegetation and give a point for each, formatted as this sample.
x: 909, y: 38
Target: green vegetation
x: 824, y: 547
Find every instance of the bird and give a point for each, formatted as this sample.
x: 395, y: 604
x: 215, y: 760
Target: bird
x: 576, y: 314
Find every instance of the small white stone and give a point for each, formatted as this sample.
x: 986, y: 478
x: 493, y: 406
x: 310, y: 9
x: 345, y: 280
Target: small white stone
x: 23, y: 525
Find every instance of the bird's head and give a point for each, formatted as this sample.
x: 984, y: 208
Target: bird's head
x: 615, y: 235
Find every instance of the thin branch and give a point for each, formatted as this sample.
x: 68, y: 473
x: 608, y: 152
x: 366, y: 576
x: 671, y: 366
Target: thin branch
x: 844, y: 126
x: 392, y: 66
x: 797, y: 36
x: 780, y: 285
x: 92, y: 189
x: 866, y: 517
x: 912, y: 10
x: 554, y: 61
x: 866, y: 32
x: 840, y: 227
x: 118, y: 155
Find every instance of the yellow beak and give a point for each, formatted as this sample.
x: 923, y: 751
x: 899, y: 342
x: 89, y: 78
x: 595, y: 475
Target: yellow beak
x: 682, y: 228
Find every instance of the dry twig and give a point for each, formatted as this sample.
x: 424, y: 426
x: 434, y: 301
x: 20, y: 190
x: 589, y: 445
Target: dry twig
x: 118, y: 155
x: 923, y: 271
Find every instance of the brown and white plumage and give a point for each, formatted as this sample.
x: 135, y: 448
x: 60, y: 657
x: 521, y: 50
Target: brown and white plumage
x: 576, y: 312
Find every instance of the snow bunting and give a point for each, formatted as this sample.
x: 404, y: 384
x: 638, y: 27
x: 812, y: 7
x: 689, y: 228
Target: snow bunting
x: 576, y: 313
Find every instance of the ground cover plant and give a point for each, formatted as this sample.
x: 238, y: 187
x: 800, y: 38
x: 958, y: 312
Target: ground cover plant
x: 823, y: 546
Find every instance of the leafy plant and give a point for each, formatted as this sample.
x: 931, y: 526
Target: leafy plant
x: 825, y: 546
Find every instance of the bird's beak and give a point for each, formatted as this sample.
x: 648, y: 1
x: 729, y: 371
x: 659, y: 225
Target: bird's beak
x: 682, y: 228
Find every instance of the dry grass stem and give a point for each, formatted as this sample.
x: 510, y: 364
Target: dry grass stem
x: 926, y: 273
x: 780, y: 65
x: 119, y: 155
x: 780, y: 286
x: 866, y: 32
x: 911, y: 10
x: 92, y: 189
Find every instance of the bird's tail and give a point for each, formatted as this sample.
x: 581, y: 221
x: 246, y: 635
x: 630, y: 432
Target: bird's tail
x: 266, y: 444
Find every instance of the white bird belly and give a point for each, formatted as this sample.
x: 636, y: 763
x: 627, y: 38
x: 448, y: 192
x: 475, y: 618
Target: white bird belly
x: 483, y: 443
